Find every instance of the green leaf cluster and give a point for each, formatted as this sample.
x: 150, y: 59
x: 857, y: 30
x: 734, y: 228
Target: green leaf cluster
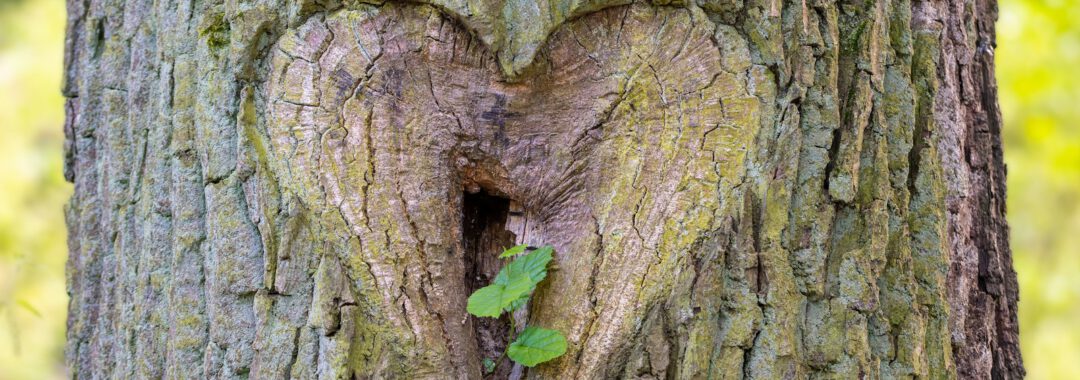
x: 513, y: 284
x: 510, y: 291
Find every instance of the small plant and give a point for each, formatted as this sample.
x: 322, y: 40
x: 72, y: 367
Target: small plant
x: 489, y: 366
x: 509, y: 292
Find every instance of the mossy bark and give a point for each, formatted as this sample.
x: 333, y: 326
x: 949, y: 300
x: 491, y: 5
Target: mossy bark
x: 735, y: 189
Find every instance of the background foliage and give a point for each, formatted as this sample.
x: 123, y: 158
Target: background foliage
x: 1038, y: 60
x: 33, y: 300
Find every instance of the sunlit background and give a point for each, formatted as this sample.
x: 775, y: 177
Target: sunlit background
x: 1038, y: 59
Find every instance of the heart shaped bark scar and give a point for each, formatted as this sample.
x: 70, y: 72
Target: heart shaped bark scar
x: 618, y: 145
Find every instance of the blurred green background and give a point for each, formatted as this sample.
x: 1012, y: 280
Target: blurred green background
x: 1038, y: 59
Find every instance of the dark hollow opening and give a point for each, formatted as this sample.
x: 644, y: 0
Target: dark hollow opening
x: 483, y: 222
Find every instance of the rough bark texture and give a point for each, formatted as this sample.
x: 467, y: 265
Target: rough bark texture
x: 735, y: 189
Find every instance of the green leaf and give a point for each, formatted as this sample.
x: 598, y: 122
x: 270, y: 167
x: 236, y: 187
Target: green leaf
x: 532, y: 265
x: 514, y: 251
x: 489, y: 366
x: 512, y: 285
x: 490, y: 300
x: 517, y: 304
x: 536, y: 345
x: 29, y: 307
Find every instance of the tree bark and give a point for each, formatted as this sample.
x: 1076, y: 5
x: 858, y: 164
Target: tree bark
x: 735, y: 189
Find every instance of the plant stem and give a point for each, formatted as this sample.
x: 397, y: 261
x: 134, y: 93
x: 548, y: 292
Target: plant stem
x: 513, y: 328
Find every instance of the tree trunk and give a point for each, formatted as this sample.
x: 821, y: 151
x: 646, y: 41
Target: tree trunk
x: 735, y: 189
